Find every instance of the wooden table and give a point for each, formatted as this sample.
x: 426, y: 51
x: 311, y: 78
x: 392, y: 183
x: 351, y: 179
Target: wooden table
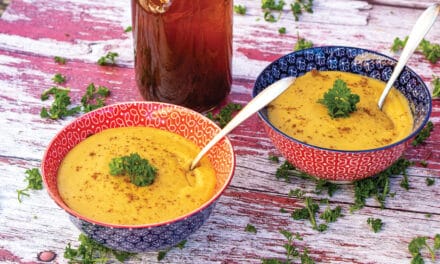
x: 32, y: 32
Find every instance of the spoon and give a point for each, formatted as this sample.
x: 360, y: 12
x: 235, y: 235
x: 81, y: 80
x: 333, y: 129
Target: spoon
x: 260, y: 101
x: 422, y: 26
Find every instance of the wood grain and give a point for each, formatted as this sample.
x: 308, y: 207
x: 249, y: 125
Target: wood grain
x: 32, y: 32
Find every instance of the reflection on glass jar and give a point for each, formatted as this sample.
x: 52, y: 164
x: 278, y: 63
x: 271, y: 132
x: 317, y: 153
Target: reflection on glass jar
x: 183, y: 51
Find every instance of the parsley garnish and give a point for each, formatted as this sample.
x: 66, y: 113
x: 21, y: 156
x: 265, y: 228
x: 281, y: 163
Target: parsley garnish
x: 291, y: 251
x: 108, y: 59
x: 331, y: 215
x: 418, y: 243
x: 424, y: 134
x: 436, y: 83
x: 282, y: 30
x: 429, y: 50
x: 139, y: 170
x: 89, y: 252
x: 240, y: 9
x: 94, y: 98
x: 272, y: 5
x: 59, y: 107
x: 301, y: 5
x: 225, y: 115
x: 339, y: 100
x: 309, y: 212
x: 162, y: 254
x: 250, y: 228
x: 34, y: 182
x: 59, y: 60
x: 298, y: 193
x: 128, y: 29
x: 274, y: 158
x: 302, y: 43
x: 430, y: 181
x: 59, y: 78
x: 375, y: 224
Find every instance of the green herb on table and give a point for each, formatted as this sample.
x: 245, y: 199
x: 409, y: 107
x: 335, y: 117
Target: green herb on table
x: 375, y: 224
x: 89, y: 252
x: 436, y: 84
x: 225, y: 115
x: 298, y: 193
x: 292, y: 252
x: 301, y: 5
x: 424, y: 134
x: 274, y: 158
x: 431, y: 51
x: 283, y: 211
x: 162, y: 254
x: 404, y: 183
x: 59, y: 78
x: 108, y: 59
x: 139, y: 170
x: 309, y: 212
x: 94, y: 98
x: 302, y: 43
x: 331, y: 215
x: 430, y: 181
x: 417, y: 244
x: 34, y: 182
x: 59, y: 107
x: 240, y: 9
x: 282, y: 30
x: 59, y: 60
x: 128, y: 29
x: 377, y: 186
x: 423, y: 163
x: 322, y: 185
x: 269, y: 6
x: 339, y: 100
x: 250, y: 228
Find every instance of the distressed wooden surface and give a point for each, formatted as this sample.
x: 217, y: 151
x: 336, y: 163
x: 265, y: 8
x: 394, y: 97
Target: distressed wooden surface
x: 32, y: 32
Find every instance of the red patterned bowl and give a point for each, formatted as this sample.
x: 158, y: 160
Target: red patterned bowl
x: 176, y: 119
x: 338, y: 165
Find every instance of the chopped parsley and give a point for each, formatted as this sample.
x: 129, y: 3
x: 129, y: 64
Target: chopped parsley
x: 339, y: 100
x: 431, y: 51
x: 375, y: 224
x: 34, y: 182
x: 94, y: 98
x: 430, y: 181
x: 331, y: 215
x: 162, y: 254
x: 128, y: 29
x: 436, y: 83
x: 60, y: 106
x: 301, y: 5
x: 309, y: 212
x: 240, y: 9
x: 282, y: 30
x: 59, y: 60
x: 108, y: 59
x: 225, y: 115
x: 274, y: 158
x: 298, y: 193
x: 59, y: 78
x: 250, y: 228
x: 302, y: 43
x: 424, y: 134
x: 418, y: 243
x: 139, y: 170
x: 89, y: 251
x: 269, y: 6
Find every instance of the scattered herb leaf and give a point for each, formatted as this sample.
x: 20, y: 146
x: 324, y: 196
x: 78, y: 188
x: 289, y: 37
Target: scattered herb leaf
x: 34, y: 182
x: 240, y: 9
x: 418, y: 243
x: 162, y: 254
x: 128, y: 29
x: 302, y: 43
x: 339, y: 100
x: 94, y: 98
x: 59, y: 107
x: 269, y: 6
x: 108, y: 59
x: 436, y: 83
x: 89, y: 251
x: 59, y: 78
x: 424, y: 134
x: 423, y: 163
x: 274, y: 158
x: 282, y: 30
x: 225, y: 115
x: 298, y: 193
x: 309, y: 212
x: 139, y: 170
x: 250, y: 228
x: 430, y: 181
x: 375, y: 224
x: 59, y: 60
x: 299, y: 6
x: 431, y: 51
x: 331, y: 215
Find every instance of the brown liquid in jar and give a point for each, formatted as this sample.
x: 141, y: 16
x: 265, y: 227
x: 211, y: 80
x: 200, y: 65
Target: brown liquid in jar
x: 183, y: 51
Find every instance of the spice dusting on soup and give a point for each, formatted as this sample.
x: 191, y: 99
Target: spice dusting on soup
x: 86, y: 185
x: 298, y: 113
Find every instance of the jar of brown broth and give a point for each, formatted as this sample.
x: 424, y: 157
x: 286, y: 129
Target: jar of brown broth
x: 183, y: 51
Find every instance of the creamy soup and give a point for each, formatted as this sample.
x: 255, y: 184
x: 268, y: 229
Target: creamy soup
x: 298, y: 114
x: 86, y: 186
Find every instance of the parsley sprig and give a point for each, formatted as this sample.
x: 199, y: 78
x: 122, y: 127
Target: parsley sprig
x: 225, y: 114
x: 375, y: 224
x: 418, y: 243
x: 424, y: 134
x: 59, y: 78
x: 94, y: 98
x: 302, y: 43
x: 271, y: 6
x: 431, y: 51
x: 240, y: 9
x: 34, y: 182
x: 60, y: 106
x: 339, y: 100
x: 162, y: 254
x: 108, y: 59
x: 436, y: 84
x: 90, y: 252
x: 140, y: 171
x: 301, y: 5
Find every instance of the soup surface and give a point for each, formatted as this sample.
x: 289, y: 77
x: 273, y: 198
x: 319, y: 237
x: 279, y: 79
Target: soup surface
x: 298, y: 114
x: 86, y: 186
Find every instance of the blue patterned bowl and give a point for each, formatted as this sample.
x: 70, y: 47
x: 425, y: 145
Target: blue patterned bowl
x: 176, y: 119
x: 339, y: 165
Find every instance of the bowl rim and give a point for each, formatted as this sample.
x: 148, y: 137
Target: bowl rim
x: 405, y: 139
x: 202, y: 207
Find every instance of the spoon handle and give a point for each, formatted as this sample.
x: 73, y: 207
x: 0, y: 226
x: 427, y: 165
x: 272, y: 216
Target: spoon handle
x: 420, y: 29
x: 260, y: 101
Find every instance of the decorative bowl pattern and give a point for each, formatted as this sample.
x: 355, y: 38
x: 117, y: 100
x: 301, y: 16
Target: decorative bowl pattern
x: 176, y: 119
x: 338, y: 165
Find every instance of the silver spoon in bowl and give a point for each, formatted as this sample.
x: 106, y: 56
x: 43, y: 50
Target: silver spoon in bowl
x: 418, y: 32
x: 261, y: 100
